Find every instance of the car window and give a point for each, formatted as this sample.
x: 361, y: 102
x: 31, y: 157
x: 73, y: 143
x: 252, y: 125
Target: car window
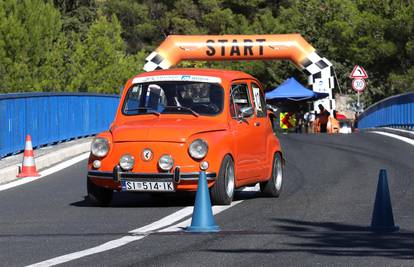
x: 259, y: 101
x: 239, y: 98
x: 199, y: 98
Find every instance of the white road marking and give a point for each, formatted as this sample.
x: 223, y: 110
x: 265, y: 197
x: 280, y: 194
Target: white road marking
x: 46, y: 172
x: 142, y: 231
x: 76, y: 255
x: 166, y: 221
x: 251, y: 188
x: 163, y: 225
x: 182, y: 225
x: 401, y: 138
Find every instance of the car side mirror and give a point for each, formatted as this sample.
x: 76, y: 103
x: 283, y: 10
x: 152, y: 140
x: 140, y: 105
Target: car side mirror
x: 246, y: 112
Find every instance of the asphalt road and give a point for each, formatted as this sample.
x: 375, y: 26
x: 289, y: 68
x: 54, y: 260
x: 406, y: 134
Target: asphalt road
x: 321, y: 218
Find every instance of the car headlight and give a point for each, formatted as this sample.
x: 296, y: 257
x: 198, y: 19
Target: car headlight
x: 127, y: 162
x: 100, y: 147
x: 198, y: 149
x: 166, y: 162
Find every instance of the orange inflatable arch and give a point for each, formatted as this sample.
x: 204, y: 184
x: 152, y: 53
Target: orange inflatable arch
x: 293, y: 47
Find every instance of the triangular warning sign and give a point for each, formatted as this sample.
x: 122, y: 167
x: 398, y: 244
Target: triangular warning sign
x: 358, y: 72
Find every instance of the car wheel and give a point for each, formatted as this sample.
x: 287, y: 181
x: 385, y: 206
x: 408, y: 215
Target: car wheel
x: 97, y: 195
x: 223, y: 189
x: 273, y: 186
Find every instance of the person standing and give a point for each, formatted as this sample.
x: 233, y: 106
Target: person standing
x: 323, y: 118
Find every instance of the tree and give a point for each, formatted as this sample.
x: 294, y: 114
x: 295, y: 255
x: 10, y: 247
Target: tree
x: 77, y: 16
x: 30, y: 47
x: 102, y: 65
x: 77, y: 45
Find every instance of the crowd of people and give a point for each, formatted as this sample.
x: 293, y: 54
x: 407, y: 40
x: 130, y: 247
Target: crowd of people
x: 320, y: 122
x: 296, y: 119
x: 317, y: 122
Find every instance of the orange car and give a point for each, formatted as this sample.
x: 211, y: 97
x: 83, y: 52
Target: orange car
x: 172, y: 124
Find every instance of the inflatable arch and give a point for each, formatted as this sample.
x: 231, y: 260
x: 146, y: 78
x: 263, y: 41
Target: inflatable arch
x: 293, y: 47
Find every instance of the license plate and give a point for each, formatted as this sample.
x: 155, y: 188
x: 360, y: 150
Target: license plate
x: 147, y: 186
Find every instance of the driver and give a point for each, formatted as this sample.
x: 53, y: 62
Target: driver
x: 184, y: 97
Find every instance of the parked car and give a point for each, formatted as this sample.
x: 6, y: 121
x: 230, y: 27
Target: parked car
x: 172, y: 124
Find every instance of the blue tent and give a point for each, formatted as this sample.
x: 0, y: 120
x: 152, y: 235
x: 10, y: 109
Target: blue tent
x: 293, y: 90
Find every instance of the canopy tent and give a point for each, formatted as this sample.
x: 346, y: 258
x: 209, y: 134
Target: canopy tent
x: 340, y: 116
x: 293, y: 90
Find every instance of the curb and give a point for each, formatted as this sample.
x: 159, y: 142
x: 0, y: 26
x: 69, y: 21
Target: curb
x: 8, y: 174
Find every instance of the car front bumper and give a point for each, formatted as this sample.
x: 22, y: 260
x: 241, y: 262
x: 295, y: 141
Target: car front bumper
x: 117, y: 175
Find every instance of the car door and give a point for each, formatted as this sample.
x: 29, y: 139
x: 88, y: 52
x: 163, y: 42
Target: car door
x: 260, y: 126
x: 245, y: 144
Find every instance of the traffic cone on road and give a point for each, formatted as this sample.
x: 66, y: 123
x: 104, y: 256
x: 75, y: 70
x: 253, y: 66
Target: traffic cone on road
x: 382, y: 216
x: 29, y: 166
x: 203, y: 219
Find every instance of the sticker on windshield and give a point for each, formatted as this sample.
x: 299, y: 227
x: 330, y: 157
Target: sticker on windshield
x: 256, y: 96
x: 191, y: 78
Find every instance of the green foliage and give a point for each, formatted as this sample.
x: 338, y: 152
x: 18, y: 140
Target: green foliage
x: 77, y: 15
x: 101, y: 59
x: 39, y: 52
x: 31, y: 46
x: 95, y: 46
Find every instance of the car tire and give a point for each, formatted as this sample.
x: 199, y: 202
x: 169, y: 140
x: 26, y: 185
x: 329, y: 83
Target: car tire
x: 222, y: 191
x: 273, y: 186
x: 97, y: 195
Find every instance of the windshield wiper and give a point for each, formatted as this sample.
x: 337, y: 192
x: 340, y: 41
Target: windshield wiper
x: 183, y: 108
x: 148, y: 110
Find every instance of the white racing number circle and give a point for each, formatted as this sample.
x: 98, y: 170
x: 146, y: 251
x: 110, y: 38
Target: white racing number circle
x: 147, y: 154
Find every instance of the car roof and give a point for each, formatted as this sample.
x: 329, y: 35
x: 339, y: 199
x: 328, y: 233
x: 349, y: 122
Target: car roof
x: 228, y: 75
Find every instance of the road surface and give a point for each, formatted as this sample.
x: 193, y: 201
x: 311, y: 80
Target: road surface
x: 321, y: 218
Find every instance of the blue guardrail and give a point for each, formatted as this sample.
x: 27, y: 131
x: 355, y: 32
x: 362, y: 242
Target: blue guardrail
x: 52, y: 117
x: 395, y: 111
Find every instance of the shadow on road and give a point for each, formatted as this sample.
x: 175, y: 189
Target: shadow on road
x: 335, y: 239
x: 131, y: 200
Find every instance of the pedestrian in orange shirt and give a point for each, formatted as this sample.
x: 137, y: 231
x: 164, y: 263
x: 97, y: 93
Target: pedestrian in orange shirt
x: 323, y: 118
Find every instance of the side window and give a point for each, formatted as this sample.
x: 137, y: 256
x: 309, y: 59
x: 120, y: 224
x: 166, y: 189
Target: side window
x: 259, y: 101
x: 133, y: 98
x: 239, y: 98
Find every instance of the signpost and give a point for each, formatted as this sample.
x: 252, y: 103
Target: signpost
x: 358, y: 83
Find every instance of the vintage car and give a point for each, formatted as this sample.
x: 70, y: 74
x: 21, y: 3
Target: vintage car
x: 172, y: 124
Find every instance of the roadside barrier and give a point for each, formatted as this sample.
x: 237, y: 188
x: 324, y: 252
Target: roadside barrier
x: 382, y: 216
x: 203, y: 219
x: 395, y: 111
x: 52, y: 117
x: 28, y: 166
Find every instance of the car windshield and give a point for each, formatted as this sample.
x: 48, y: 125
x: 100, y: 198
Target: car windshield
x: 174, y: 97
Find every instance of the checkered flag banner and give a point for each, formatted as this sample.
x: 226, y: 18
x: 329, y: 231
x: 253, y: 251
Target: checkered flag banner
x: 156, y: 62
x: 320, y: 73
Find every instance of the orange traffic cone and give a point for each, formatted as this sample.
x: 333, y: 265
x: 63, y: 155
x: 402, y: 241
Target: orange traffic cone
x: 29, y: 166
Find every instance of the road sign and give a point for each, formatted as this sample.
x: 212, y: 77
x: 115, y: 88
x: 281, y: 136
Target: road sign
x: 358, y: 72
x: 358, y: 85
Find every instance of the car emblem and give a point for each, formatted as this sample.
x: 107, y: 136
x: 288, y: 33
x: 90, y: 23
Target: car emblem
x: 147, y: 154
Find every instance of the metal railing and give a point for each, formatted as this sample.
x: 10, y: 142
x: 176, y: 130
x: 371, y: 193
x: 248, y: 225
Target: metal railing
x: 395, y: 111
x: 52, y: 117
